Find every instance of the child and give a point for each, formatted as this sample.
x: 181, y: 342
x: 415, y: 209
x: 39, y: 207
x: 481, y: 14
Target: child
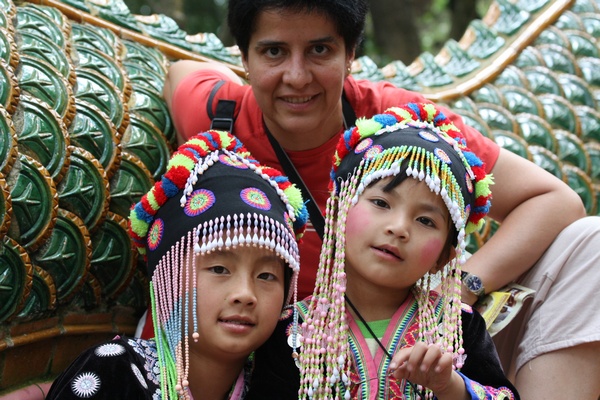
x: 219, y: 233
x: 405, y: 192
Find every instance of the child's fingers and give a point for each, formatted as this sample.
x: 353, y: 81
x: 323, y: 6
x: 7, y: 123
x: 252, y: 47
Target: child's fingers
x: 431, y: 357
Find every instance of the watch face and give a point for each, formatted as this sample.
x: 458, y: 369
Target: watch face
x: 473, y: 283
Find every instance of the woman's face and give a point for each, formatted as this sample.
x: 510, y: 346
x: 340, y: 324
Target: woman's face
x: 297, y: 63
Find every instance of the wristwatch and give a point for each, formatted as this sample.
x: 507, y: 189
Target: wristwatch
x: 473, y: 283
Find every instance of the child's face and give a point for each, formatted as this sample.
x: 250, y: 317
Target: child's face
x: 240, y: 297
x: 393, y: 238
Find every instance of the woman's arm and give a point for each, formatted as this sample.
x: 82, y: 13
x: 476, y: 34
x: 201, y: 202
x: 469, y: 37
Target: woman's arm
x: 181, y: 69
x: 533, y: 206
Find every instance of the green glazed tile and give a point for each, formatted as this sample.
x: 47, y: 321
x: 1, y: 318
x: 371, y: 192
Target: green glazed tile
x: 512, y: 142
x: 520, y: 100
x: 16, y: 275
x: 113, y: 258
x: 131, y: 181
x: 560, y: 113
x: 8, y: 142
x: 552, y: 35
x: 583, y: 44
x: 537, y: 131
x: 34, y: 202
x: 151, y: 105
x: 576, y: 90
x: 8, y: 49
x: 559, y: 59
x: 571, y: 150
x: 147, y: 142
x: 41, y: 80
x: 593, y: 150
x: 569, y: 20
x: 32, y: 20
x: 582, y: 185
x: 497, y: 117
x: 9, y: 88
x: 477, y: 122
x: 486, y: 42
x: 431, y: 75
x: 89, y: 296
x: 589, y: 121
x: 42, y: 297
x: 117, y: 12
x: 397, y: 73
x: 145, y: 56
x: 143, y: 76
x: 38, y: 47
x: 542, y: 80
x: 511, y: 18
x: 590, y: 70
x: 488, y: 94
x: 85, y: 35
x: 100, y: 62
x: 591, y: 23
x: 94, y: 88
x: 93, y: 131
x: 66, y: 255
x: 512, y: 76
x: 42, y: 135
x: 85, y: 190
x: 529, y: 57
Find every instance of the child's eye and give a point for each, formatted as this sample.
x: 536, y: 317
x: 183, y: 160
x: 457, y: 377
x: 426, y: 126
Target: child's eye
x: 218, y: 269
x: 267, y: 276
x: 426, y: 221
x: 380, y: 203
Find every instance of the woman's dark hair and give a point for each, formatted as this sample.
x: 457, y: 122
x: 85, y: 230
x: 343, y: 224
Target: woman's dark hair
x: 348, y: 17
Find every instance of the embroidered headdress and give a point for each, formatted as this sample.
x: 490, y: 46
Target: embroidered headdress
x: 213, y: 196
x: 416, y: 140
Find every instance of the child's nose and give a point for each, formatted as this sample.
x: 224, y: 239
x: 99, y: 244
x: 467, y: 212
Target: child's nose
x: 244, y: 293
x: 398, y: 227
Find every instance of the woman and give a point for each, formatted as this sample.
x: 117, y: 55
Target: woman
x: 297, y: 55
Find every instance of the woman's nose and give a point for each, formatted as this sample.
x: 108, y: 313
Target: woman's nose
x: 297, y: 73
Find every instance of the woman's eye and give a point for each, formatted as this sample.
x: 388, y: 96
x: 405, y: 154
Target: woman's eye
x: 320, y: 49
x: 273, y: 51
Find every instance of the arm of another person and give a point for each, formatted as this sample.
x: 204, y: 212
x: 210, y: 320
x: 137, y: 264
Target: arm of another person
x: 179, y: 70
x: 533, y: 206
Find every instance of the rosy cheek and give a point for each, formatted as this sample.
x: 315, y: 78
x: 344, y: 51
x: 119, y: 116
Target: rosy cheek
x: 431, y: 251
x: 356, y: 221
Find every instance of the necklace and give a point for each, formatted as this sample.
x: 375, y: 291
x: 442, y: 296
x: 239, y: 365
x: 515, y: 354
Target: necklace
x: 373, y: 335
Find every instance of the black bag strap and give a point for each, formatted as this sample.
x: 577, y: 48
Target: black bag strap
x: 348, y: 112
x: 224, y: 119
x: 314, y: 212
